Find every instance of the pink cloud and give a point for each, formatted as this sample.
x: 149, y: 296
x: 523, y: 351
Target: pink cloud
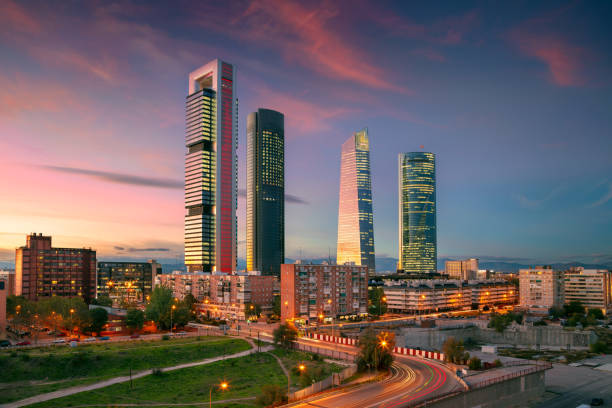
x: 15, y: 17
x: 564, y: 60
x: 306, y: 36
x: 16, y: 96
x: 104, y: 68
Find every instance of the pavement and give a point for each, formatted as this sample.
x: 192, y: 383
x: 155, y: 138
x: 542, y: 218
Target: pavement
x: 117, y: 380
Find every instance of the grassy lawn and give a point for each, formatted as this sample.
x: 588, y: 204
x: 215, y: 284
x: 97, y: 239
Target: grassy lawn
x: 245, y: 375
x: 316, y: 368
x: 29, y: 372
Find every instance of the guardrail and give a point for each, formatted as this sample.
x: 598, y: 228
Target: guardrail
x: 541, y: 366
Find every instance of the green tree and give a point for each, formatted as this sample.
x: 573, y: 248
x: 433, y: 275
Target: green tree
x: 252, y: 310
x: 556, y: 312
x: 375, y: 350
x: 99, y: 318
x: 270, y: 395
x: 276, y: 306
x: 103, y: 300
x: 474, y: 363
x: 596, y: 313
x: 377, y: 301
x: 134, y: 319
x: 454, y: 351
x: 573, y: 307
x: 285, y: 335
x: 159, y: 307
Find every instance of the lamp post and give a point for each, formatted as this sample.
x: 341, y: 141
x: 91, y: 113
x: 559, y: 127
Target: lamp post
x: 171, y: 312
x: 223, y: 386
x: 71, y: 312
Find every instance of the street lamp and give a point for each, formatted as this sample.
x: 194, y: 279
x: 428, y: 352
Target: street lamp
x: 383, y: 299
x: 171, y: 311
x: 223, y: 386
x: 71, y: 312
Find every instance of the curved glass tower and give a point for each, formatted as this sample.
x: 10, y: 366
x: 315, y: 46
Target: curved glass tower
x: 355, y: 219
x: 265, y: 238
x: 417, y: 212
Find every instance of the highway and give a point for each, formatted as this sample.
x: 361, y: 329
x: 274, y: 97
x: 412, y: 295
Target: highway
x: 412, y: 380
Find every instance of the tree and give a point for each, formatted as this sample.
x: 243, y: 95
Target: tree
x: 270, y: 394
x: 285, y: 335
x: 573, y: 307
x: 474, y: 363
x: 134, y: 319
x: 99, y: 318
x: 159, y: 307
x: 375, y: 350
x: 454, y: 351
x: 252, y: 310
x: 276, y: 306
x: 501, y: 322
x: 103, y: 300
x: 556, y: 312
x: 596, y: 313
x: 377, y: 301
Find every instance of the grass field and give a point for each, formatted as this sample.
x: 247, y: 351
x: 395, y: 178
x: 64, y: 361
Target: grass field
x: 29, y: 372
x: 316, y: 369
x: 190, y: 386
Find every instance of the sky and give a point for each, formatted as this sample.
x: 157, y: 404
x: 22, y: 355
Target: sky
x: 512, y: 97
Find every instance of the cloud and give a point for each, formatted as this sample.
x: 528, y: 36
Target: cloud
x: 304, y: 34
x: 607, y: 197
x: 532, y: 203
x: 15, y: 17
x: 16, y: 96
x: 118, y: 248
x: 148, y: 249
x: 100, y: 67
x: 120, y: 178
x: 430, y: 54
x: 289, y: 198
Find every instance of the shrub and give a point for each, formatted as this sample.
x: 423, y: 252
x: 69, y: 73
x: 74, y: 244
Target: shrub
x: 157, y: 372
x: 474, y: 363
x: 165, y: 337
x: 270, y: 394
x: 497, y: 363
x: 599, y: 347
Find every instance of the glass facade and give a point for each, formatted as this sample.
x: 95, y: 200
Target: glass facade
x: 355, y: 218
x: 417, y: 212
x: 211, y: 169
x: 265, y: 238
x: 125, y: 282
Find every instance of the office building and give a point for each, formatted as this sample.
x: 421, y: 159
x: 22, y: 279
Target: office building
x: 211, y: 169
x: 540, y: 289
x: 9, y: 277
x: 417, y: 213
x: 355, y: 216
x: 126, y: 282
x: 265, y: 239
x: 463, y: 269
x: 591, y: 287
x: 3, y: 296
x: 312, y: 293
x: 41, y: 270
x: 438, y: 295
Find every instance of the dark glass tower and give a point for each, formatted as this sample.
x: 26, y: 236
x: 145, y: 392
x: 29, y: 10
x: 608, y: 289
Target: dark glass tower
x: 265, y: 191
x: 417, y: 212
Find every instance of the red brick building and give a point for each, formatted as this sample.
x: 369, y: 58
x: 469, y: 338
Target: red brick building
x: 308, y: 291
x: 41, y: 270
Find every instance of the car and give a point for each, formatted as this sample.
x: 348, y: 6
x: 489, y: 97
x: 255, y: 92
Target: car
x: 5, y: 343
x: 58, y: 341
x: 134, y: 336
x: 23, y: 343
x: 596, y: 402
x: 104, y: 338
x: 89, y: 339
x: 74, y: 339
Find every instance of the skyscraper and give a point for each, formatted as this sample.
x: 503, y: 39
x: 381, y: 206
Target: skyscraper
x: 417, y: 212
x: 355, y: 219
x: 211, y: 169
x: 265, y: 238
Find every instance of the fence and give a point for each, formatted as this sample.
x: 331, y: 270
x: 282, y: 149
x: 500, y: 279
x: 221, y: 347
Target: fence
x: 317, y: 387
x: 335, y: 354
x: 397, y: 350
x: 540, y: 366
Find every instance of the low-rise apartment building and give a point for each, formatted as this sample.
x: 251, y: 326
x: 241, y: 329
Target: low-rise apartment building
x: 591, y: 287
x: 312, y: 292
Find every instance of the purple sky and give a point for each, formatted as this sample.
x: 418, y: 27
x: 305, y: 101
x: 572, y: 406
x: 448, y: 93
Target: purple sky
x: 513, y: 97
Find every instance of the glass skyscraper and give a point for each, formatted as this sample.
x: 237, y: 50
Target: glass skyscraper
x: 355, y: 219
x: 417, y: 212
x: 211, y: 169
x: 265, y: 238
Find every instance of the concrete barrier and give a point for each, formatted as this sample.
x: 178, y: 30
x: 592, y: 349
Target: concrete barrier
x: 317, y: 387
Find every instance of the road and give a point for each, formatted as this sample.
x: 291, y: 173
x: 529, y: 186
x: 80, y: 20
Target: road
x: 412, y: 380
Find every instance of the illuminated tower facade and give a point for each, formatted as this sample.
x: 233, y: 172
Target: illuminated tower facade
x: 211, y: 169
x: 355, y: 219
x: 265, y: 239
x: 417, y: 212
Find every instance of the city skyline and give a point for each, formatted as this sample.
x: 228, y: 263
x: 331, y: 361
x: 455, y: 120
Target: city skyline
x: 512, y: 101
